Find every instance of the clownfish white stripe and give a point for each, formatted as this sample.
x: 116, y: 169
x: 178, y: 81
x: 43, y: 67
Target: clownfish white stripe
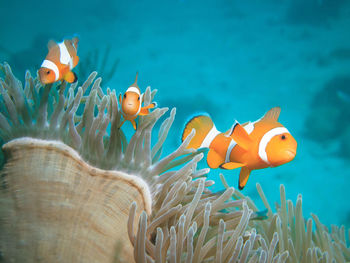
x: 210, y: 137
x: 229, y: 150
x: 138, y: 111
x: 52, y: 66
x: 65, y: 57
x: 134, y: 89
x: 265, y: 140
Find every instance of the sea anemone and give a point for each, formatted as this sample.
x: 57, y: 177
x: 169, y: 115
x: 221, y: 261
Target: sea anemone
x: 74, y: 190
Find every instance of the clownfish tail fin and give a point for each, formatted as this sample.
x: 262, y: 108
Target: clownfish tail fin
x: 205, y: 131
x: 71, y: 77
x: 75, y: 77
x: 272, y: 115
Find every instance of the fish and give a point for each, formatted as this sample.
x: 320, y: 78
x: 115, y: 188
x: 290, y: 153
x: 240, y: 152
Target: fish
x: 59, y: 62
x: 253, y: 145
x: 131, y: 104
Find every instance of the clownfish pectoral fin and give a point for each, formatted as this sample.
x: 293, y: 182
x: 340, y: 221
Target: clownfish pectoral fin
x: 120, y: 99
x: 70, y: 77
x: 241, y: 137
x: 133, y: 122
x: 231, y: 165
x: 214, y: 160
x: 145, y: 110
x: 272, y: 115
x: 243, y: 177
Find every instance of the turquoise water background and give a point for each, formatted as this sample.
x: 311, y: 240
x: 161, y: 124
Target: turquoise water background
x: 232, y: 59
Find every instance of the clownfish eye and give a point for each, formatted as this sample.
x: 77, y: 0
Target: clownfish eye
x: 138, y: 98
x: 283, y: 137
x: 48, y: 72
x: 124, y: 96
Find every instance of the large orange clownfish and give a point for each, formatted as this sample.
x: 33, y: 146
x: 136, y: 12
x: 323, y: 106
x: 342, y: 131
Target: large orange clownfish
x: 59, y: 62
x: 252, y: 145
x: 131, y: 104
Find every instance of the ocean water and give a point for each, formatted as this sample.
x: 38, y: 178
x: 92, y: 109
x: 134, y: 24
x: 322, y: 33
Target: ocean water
x: 231, y: 59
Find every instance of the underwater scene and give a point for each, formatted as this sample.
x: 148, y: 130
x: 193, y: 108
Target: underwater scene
x: 175, y: 131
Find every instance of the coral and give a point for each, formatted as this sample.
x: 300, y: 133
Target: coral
x: 59, y: 138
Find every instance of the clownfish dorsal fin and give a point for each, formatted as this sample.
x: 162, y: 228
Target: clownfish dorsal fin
x: 241, y: 137
x: 135, y: 82
x: 229, y: 132
x: 75, y: 41
x: 272, y: 115
x: 51, y: 44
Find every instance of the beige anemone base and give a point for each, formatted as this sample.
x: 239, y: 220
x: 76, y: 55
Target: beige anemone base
x: 54, y: 207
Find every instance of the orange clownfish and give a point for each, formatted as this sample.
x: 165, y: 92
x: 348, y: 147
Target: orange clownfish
x: 59, y: 62
x: 252, y: 145
x: 131, y: 104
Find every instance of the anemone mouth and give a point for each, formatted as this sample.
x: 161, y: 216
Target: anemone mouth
x: 67, y: 188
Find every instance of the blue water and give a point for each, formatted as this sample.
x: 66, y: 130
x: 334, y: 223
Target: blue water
x: 232, y: 59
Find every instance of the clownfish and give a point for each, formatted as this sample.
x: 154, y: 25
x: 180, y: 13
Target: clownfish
x: 131, y: 104
x: 252, y: 145
x: 60, y: 60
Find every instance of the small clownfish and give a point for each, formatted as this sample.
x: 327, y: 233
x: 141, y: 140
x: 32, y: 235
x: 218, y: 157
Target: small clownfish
x: 60, y: 60
x: 131, y: 104
x: 252, y: 145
